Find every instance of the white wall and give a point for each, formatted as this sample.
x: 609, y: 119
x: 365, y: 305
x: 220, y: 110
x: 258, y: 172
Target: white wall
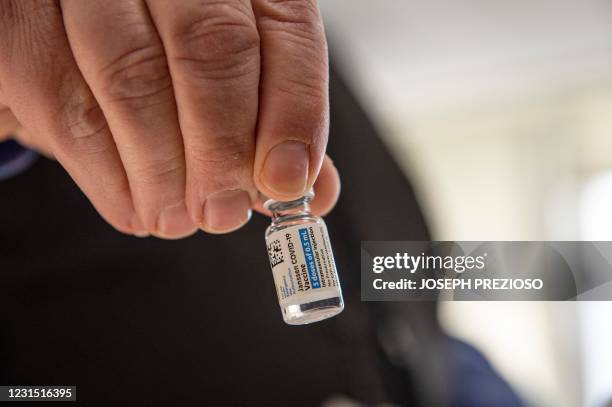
x: 500, y: 112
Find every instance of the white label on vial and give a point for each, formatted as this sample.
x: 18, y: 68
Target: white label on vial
x: 302, y: 263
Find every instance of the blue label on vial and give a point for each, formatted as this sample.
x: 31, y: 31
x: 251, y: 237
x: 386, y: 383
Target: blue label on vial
x: 313, y: 274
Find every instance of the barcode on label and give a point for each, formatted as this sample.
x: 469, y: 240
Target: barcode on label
x: 275, y: 252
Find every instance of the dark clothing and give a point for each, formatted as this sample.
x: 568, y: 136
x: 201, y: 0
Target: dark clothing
x: 14, y: 159
x: 194, y: 322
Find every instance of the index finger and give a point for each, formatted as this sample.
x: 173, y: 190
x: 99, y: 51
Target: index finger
x: 294, y: 107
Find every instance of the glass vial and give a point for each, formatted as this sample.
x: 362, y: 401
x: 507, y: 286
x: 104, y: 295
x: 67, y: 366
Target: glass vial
x: 302, y: 262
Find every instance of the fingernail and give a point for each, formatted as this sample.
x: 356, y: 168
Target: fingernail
x: 285, y: 170
x: 226, y: 211
x: 174, y: 222
x: 138, y: 228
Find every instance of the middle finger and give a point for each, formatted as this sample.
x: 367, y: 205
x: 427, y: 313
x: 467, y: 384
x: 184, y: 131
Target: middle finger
x: 213, y: 55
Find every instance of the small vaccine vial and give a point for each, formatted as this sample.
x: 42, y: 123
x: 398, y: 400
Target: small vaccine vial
x: 302, y: 262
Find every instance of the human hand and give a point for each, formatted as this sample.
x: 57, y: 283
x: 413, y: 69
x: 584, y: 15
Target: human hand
x: 172, y: 116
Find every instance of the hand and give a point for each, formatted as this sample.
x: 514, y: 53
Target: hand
x: 172, y: 115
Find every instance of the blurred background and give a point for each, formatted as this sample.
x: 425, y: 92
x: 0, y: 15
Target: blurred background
x: 501, y: 115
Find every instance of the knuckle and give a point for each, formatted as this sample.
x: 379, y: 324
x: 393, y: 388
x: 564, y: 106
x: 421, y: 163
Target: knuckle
x: 86, y: 131
x: 222, y: 163
x: 219, y: 42
x: 299, y: 12
x: 160, y: 172
x: 30, y: 28
x: 310, y: 91
x: 139, y: 77
x: 298, y: 25
x: 7, y: 13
